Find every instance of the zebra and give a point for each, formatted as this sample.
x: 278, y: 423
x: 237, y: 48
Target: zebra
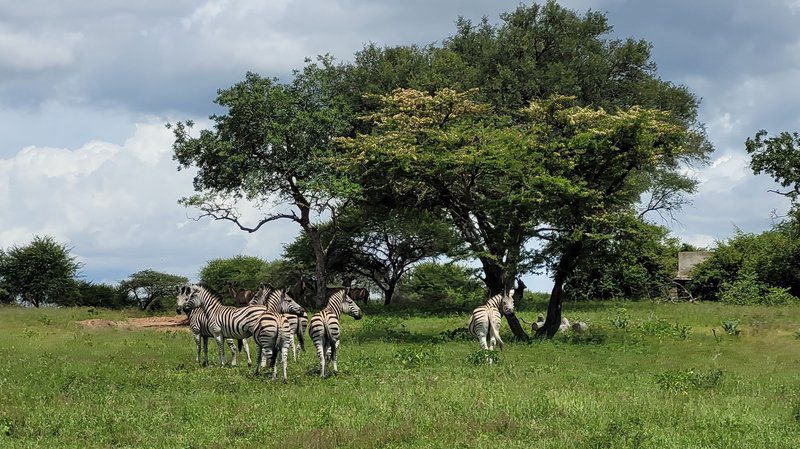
x: 223, y: 321
x: 273, y: 333
x: 199, y: 327
x: 271, y: 297
x: 324, y: 326
x: 485, y: 320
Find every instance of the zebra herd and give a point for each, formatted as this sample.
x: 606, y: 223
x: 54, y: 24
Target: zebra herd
x: 272, y: 318
x: 275, y: 322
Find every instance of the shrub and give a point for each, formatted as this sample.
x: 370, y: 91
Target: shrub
x: 685, y: 380
x: 483, y: 357
x: 748, y: 290
x: 663, y: 328
x: 743, y: 269
x: 620, y: 318
x: 731, y: 327
x: 457, y: 334
x: 416, y: 356
x: 433, y: 283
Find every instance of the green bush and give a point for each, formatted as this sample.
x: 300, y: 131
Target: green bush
x: 446, y: 284
x: 685, y: 380
x: 748, y: 290
x: 483, y: 357
x: 663, y: 328
x: 416, y: 356
x: 638, y: 263
x: 731, y: 327
x: 744, y: 269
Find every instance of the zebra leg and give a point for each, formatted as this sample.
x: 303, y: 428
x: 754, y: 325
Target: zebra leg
x: 246, y: 349
x: 205, y: 351
x: 294, y: 349
x: 482, y: 341
x: 284, y: 356
x: 335, y: 356
x: 258, y: 358
x: 231, y: 345
x: 197, y: 341
x: 221, y: 349
x: 321, y: 355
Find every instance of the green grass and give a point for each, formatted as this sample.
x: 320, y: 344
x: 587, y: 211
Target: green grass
x: 413, y: 381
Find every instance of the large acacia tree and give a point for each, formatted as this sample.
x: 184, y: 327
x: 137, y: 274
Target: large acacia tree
x: 535, y: 52
x: 559, y: 173
x: 271, y: 147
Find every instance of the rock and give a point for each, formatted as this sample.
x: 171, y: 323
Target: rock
x: 580, y: 326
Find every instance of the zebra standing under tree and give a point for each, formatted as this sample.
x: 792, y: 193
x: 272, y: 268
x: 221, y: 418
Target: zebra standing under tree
x: 324, y: 326
x: 273, y: 334
x: 199, y: 326
x: 271, y: 297
x: 485, y: 320
x: 223, y: 321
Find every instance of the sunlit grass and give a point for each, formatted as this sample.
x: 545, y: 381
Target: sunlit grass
x: 413, y: 381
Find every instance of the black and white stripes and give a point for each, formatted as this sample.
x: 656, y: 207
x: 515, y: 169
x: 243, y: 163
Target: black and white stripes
x: 223, y: 321
x: 324, y: 327
x: 485, y: 321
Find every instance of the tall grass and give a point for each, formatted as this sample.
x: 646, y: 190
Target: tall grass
x: 415, y: 385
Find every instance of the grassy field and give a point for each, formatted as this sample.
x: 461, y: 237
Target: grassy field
x: 662, y: 381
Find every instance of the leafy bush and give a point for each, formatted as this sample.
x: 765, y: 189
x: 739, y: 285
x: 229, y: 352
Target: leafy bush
x: 685, y: 380
x: 383, y: 328
x: 748, y: 290
x: 731, y: 327
x: 416, y: 356
x: 663, y: 328
x: 457, y: 334
x: 745, y: 268
x: 483, y: 357
x: 442, y: 284
x: 638, y: 263
x: 620, y: 318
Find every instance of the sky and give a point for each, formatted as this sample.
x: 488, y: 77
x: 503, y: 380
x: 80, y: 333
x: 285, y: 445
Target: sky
x: 86, y: 88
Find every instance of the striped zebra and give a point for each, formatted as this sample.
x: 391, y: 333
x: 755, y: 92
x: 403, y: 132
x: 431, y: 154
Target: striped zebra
x: 199, y: 327
x: 222, y: 321
x: 485, y: 320
x: 273, y: 333
x: 270, y: 297
x: 324, y: 326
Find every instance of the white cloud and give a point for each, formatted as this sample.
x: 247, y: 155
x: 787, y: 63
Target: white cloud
x: 32, y: 52
x: 117, y: 206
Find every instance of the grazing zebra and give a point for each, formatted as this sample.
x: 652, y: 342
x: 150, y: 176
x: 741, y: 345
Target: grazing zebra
x: 485, y: 320
x: 324, y: 326
x: 199, y: 327
x: 273, y: 334
x: 271, y: 297
x: 222, y: 321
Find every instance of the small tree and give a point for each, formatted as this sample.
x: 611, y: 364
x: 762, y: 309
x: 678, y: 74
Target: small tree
x: 42, y: 272
x: 381, y: 245
x: 449, y: 283
x: 271, y: 146
x: 240, y: 272
x: 149, y: 287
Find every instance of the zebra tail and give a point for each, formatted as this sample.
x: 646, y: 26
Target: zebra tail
x: 496, y: 334
x: 328, y: 337
x: 299, y: 336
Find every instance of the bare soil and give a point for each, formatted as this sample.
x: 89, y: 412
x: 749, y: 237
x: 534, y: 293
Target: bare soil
x: 157, y: 322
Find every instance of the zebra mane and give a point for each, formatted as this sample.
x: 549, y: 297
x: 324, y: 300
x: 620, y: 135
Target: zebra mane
x: 210, y: 290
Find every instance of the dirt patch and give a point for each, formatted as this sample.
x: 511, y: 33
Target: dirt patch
x: 157, y: 322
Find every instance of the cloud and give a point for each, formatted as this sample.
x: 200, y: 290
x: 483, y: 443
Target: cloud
x: 26, y: 52
x: 116, y: 204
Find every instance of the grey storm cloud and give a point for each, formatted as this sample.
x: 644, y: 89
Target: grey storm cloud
x: 85, y: 87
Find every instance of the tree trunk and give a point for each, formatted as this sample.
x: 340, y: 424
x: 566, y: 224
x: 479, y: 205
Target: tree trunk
x: 388, y: 294
x: 565, y: 267
x: 320, y: 272
x: 497, y: 281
